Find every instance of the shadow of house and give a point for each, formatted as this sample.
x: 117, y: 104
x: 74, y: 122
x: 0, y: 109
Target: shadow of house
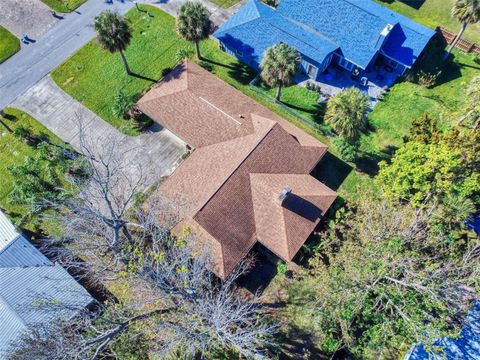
x: 332, y: 171
x: 434, y: 64
x: 263, y: 271
x: 416, y: 4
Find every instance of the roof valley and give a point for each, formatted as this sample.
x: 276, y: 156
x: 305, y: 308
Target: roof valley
x: 257, y: 143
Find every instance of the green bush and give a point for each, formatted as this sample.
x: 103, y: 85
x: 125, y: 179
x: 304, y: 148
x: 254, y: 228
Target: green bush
x: 348, y: 151
x: 122, y: 105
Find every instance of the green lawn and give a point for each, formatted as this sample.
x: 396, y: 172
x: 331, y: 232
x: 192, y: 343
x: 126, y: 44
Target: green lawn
x: 225, y: 3
x: 94, y: 76
x: 391, y: 118
x: 63, y: 6
x: 433, y: 13
x: 12, y: 152
x: 9, y: 44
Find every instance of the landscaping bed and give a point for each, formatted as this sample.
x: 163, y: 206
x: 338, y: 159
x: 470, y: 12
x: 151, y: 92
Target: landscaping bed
x: 63, y: 6
x: 9, y: 44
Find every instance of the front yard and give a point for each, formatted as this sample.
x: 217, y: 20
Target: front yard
x: 94, y: 76
x: 63, y: 6
x: 432, y: 13
x: 9, y: 44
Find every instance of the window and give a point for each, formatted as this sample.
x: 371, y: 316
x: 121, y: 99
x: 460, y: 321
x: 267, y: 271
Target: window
x: 345, y: 64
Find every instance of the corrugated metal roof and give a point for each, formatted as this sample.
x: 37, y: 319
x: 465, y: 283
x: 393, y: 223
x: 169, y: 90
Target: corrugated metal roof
x: 34, y: 295
x: 21, y: 253
x: 33, y: 290
x: 8, y: 233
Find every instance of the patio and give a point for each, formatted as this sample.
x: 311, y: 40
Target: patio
x: 373, y: 83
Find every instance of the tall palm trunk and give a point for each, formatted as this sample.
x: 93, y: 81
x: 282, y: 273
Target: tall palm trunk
x: 197, y: 49
x: 124, y: 59
x: 278, y: 93
x: 455, y: 41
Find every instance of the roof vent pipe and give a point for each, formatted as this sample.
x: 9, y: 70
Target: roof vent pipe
x: 286, y: 191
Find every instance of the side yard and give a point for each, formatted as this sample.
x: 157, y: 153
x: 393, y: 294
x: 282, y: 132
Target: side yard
x: 14, y: 149
x: 432, y: 13
x: 225, y: 4
x: 9, y: 44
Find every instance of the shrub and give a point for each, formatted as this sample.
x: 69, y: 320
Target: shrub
x: 25, y: 134
x: 348, y: 151
x: 428, y: 79
x: 122, y: 105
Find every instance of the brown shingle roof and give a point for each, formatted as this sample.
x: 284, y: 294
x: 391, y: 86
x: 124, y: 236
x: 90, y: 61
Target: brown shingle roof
x: 239, y: 165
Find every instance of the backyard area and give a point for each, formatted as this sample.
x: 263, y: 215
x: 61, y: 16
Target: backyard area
x: 432, y: 13
x: 63, y: 6
x: 9, y: 44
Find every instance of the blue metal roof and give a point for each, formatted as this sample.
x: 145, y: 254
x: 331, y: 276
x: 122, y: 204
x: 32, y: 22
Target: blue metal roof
x: 319, y: 27
x: 467, y: 346
x: 256, y: 27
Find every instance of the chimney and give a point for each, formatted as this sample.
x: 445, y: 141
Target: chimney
x: 286, y: 191
x: 383, y: 35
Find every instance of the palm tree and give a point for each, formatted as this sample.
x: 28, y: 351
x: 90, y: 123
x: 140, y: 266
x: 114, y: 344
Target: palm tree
x: 279, y: 65
x: 466, y: 12
x: 346, y: 113
x: 193, y: 24
x: 113, y: 33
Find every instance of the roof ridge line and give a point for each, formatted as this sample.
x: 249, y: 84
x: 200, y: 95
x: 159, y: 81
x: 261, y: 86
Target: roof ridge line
x: 12, y: 310
x: 236, y: 167
x: 284, y: 228
x: 2, y: 250
x: 256, y: 3
x: 306, y: 28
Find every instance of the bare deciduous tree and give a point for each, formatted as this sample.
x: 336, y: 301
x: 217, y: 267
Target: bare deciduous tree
x: 173, y: 292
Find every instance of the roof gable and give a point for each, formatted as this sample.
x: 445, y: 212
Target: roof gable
x: 283, y: 228
x: 213, y: 183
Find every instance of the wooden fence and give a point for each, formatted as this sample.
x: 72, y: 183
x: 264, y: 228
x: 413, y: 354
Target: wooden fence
x: 464, y: 45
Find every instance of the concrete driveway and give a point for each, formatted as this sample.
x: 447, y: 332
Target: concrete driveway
x: 31, y: 17
x: 157, y: 152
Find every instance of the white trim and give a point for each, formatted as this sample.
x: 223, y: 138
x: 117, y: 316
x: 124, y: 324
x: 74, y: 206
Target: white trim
x: 314, y: 68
